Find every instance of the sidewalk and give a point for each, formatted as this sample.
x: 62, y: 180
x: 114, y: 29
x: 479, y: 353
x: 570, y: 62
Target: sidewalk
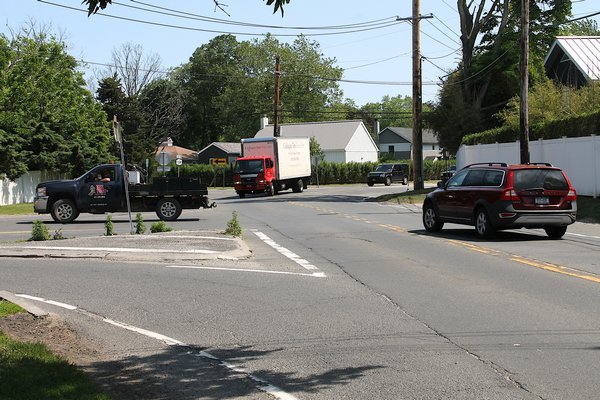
x: 169, y: 246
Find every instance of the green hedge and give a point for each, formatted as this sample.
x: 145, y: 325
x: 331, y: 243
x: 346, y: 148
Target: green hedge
x: 328, y: 172
x: 575, y: 126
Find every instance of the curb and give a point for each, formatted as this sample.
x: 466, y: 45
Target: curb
x: 29, y: 306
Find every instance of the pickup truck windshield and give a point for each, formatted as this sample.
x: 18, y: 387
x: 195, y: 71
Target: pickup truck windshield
x: 248, y: 166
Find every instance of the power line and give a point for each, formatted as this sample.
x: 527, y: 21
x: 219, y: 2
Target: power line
x: 164, y: 25
x: 183, y: 14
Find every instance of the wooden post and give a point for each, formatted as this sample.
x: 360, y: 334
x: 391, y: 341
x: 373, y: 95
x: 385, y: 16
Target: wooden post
x: 524, y: 70
x: 417, y: 133
x: 276, y: 109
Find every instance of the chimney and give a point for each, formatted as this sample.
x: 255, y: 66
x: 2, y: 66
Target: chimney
x: 264, y: 121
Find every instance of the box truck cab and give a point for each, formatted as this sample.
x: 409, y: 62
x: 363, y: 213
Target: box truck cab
x: 269, y: 165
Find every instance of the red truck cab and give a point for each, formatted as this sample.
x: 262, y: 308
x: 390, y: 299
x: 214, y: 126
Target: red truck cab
x: 254, y: 175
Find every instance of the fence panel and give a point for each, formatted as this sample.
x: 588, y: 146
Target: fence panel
x: 578, y: 157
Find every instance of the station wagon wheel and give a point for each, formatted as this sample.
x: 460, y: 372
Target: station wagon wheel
x: 555, y: 232
x: 431, y: 220
x: 168, y: 209
x: 64, y: 211
x: 483, y: 226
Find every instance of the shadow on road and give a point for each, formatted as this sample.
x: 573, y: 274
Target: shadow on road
x: 182, y: 373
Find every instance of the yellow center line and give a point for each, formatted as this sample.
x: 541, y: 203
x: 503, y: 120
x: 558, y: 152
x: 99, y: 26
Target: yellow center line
x: 491, y: 252
x: 559, y: 269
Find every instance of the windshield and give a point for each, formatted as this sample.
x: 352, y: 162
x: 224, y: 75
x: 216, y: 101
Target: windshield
x: 551, y: 179
x: 248, y: 166
x: 384, y: 168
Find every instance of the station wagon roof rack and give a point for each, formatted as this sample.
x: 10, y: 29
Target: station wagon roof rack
x: 489, y: 164
x: 540, y: 163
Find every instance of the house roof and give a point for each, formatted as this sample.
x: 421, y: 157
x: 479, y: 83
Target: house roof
x: 331, y: 135
x: 227, y: 147
x: 406, y: 134
x: 583, y: 51
x: 173, y: 151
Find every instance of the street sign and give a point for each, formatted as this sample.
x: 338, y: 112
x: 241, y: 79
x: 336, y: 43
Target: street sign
x: 179, y: 161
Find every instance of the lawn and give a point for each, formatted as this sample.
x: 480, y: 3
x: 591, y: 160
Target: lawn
x: 17, y: 209
x: 31, y: 371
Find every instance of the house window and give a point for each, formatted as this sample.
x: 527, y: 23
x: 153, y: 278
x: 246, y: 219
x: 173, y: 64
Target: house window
x: 391, y: 149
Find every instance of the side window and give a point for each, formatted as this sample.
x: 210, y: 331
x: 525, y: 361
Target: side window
x: 458, y: 178
x: 493, y: 178
x: 475, y: 178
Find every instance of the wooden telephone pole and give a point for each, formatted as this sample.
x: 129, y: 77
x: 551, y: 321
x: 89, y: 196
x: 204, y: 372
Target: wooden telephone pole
x: 524, y: 71
x: 276, y: 109
x: 417, y: 133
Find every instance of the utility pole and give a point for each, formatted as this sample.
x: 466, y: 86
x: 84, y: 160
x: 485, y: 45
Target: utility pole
x: 276, y: 110
x: 524, y: 71
x: 417, y: 97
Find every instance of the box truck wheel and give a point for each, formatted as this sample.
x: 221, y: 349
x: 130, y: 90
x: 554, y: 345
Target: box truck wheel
x: 298, y: 187
x: 64, y: 211
x: 168, y: 209
x: 271, y: 190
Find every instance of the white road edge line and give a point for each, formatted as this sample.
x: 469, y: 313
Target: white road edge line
x: 289, y: 254
x: 264, y: 271
x: 55, y: 303
x: 263, y: 385
x: 585, y: 236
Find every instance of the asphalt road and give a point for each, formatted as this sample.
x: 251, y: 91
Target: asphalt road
x: 344, y: 298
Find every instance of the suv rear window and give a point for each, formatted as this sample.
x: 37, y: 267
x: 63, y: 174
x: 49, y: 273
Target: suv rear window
x: 550, y: 179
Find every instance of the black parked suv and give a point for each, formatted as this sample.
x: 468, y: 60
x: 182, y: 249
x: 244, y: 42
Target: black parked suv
x: 495, y: 196
x: 388, y: 173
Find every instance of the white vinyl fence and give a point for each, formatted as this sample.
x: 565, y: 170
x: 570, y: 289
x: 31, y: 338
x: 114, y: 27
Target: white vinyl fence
x: 23, y: 189
x: 578, y: 157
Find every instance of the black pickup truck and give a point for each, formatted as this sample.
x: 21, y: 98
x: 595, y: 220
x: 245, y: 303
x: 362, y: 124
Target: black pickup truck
x: 102, y: 189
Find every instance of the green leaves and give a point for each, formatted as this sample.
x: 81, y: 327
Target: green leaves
x: 48, y: 119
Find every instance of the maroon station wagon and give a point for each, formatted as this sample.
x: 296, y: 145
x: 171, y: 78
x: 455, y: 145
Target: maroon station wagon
x: 495, y: 196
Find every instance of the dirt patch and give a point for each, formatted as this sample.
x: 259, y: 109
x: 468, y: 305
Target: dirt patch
x: 52, y: 331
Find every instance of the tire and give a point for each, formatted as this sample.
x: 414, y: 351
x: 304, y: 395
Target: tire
x: 555, y: 232
x: 370, y: 183
x: 168, y: 209
x: 431, y: 220
x: 242, y: 195
x: 271, y: 190
x: 298, y: 187
x: 64, y: 211
x: 405, y: 180
x: 483, y: 226
x: 388, y: 181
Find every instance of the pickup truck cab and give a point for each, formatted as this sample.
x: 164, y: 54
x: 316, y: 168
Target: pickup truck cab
x: 102, y: 189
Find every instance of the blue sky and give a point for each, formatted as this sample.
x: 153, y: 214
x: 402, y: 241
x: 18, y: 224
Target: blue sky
x: 373, y: 55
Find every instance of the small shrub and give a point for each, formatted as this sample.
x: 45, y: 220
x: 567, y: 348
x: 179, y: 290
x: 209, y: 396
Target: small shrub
x: 233, y: 226
x: 39, y: 231
x: 110, y: 229
x: 160, y: 226
x: 140, y: 227
x: 58, y: 235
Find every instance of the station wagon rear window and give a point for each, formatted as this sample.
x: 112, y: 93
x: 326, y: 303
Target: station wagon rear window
x: 549, y: 179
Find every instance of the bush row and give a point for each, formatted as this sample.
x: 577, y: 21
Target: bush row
x: 574, y: 126
x: 326, y: 173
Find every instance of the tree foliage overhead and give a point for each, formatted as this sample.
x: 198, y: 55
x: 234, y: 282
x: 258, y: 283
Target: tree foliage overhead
x: 230, y: 84
x: 48, y: 119
x: 488, y: 75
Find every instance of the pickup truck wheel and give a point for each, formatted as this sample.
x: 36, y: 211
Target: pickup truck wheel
x: 405, y: 180
x: 168, y: 209
x: 64, y: 211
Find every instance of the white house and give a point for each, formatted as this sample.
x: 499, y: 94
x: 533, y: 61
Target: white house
x: 574, y: 60
x: 341, y: 141
x: 396, y: 143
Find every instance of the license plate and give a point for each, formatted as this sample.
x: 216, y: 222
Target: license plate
x: 540, y: 201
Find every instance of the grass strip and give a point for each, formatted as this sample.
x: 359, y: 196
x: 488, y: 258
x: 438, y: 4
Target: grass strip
x: 17, y: 209
x: 31, y: 371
